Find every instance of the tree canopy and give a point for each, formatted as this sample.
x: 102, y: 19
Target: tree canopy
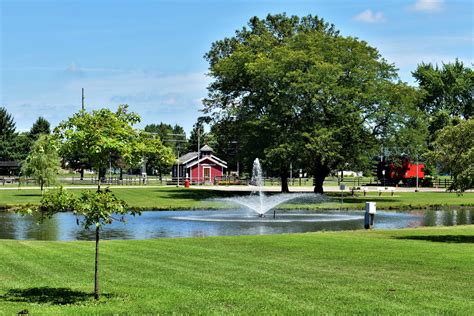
x: 7, y: 135
x: 40, y: 126
x: 168, y: 134
x: 447, y: 89
x: 299, y: 91
x: 43, y: 162
x: 100, y: 135
x: 453, y: 152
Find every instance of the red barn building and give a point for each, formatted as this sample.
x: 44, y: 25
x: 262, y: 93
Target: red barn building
x: 200, y: 167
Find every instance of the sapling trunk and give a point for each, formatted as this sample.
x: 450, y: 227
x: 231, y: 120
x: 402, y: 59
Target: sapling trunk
x: 96, y: 276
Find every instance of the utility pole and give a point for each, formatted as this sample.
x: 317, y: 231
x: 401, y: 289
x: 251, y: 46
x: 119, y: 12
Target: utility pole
x: 83, y: 108
x: 177, y: 184
x: 176, y: 138
x: 199, y: 154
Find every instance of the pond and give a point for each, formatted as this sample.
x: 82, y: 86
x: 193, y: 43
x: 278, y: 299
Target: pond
x: 201, y: 223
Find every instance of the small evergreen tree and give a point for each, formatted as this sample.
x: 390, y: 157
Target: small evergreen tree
x: 7, y: 135
x: 41, y: 126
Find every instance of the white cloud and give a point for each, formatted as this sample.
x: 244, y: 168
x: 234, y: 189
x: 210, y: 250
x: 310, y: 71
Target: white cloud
x: 368, y: 16
x: 428, y: 5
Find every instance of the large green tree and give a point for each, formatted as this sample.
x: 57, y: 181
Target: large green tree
x: 447, y: 94
x: 447, y: 89
x: 299, y: 91
x: 43, y: 162
x: 100, y: 135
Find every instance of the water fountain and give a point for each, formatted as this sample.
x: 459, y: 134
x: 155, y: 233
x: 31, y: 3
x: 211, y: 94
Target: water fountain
x: 261, y: 203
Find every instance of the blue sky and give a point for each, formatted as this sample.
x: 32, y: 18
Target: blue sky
x: 149, y: 54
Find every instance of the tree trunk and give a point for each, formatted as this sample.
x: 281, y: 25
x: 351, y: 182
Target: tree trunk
x: 99, y: 179
x: 82, y: 174
x: 96, y: 276
x: 320, y: 173
x: 41, y: 185
x: 284, y: 181
x: 121, y: 174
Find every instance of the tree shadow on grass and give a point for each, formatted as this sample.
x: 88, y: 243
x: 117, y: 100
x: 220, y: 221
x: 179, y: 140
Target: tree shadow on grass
x: 47, y: 295
x: 458, y: 239
x: 28, y: 194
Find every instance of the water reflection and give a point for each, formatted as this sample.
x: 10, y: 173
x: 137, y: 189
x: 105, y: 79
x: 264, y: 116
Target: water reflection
x: 220, y: 223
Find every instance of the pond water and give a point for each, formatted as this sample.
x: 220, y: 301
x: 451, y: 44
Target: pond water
x: 200, y: 223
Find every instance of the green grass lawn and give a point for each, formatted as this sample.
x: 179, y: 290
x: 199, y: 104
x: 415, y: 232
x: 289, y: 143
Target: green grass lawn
x: 165, y: 198
x: 411, y: 271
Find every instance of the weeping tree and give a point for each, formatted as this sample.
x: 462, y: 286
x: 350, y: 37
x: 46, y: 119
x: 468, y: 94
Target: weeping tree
x: 300, y: 90
x: 43, y: 162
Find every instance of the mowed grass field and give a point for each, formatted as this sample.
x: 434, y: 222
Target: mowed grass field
x: 172, y: 198
x: 411, y: 271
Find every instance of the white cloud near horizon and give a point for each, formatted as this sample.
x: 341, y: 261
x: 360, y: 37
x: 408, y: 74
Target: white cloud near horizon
x: 368, y: 16
x: 428, y: 5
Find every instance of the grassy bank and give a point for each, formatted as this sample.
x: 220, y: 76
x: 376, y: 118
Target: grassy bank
x: 171, y: 198
x: 412, y: 271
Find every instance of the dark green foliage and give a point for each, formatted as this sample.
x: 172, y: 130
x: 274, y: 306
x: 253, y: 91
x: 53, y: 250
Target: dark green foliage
x: 205, y: 138
x: 447, y: 89
x: 7, y: 135
x: 41, y: 126
x: 453, y: 152
x: 295, y: 91
x: 171, y: 136
x: 7, y: 125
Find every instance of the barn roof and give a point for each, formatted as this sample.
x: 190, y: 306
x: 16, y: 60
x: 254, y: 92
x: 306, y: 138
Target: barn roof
x: 206, y: 148
x: 187, y: 157
x: 212, y: 158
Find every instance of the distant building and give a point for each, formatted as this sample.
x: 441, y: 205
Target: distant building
x: 9, y: 167
x: 201, y: 169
